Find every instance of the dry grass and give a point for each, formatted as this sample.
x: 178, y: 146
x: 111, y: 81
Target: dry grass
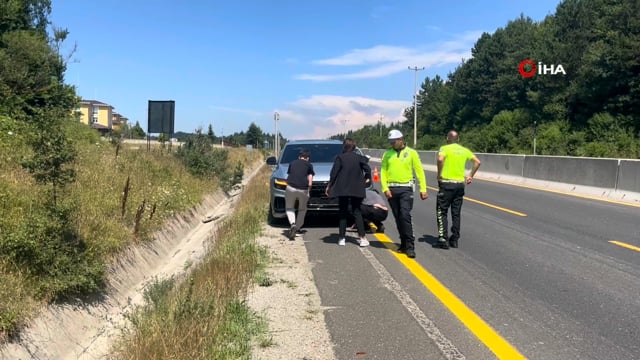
x: 156, y: 179
x: 205, y: 316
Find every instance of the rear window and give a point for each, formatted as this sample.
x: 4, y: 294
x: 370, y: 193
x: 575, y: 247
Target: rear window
x: 318, y: 152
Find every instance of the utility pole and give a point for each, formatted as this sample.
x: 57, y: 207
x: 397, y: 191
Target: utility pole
x: 380, y: 124
x: 344, y: 127
x: 222, y: 137
x: 276, y: 117
x: 415, y: 103
x: 535, y: 128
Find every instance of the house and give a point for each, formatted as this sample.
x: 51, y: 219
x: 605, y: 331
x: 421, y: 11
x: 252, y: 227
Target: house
x: 118, y: 121
x: 97, y: 115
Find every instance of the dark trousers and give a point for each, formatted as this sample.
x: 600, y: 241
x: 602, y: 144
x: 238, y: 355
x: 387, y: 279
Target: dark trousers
x: 401, y: 203
x: 450, y: 195
x: 373, y: 214
x: 343, y: 205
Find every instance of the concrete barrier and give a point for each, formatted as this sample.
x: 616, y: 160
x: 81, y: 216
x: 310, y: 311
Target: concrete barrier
x: 621, y: 175
x: 629, y: 175
x: 501, y: 164
x: 428, y: 157
x: 596, y: 172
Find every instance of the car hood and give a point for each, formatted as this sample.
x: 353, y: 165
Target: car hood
x: 322, y: 170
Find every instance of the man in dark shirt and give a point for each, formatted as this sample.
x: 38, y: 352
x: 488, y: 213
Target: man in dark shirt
x: 299, y: 180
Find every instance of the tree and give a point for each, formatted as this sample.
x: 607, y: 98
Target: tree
x: 254, y: 135
x: 53, y: 154
x: 210, y: 134
x: 24, y: 15
x: 137, y: 132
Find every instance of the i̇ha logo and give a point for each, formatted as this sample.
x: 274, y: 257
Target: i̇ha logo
x: 539, y: 68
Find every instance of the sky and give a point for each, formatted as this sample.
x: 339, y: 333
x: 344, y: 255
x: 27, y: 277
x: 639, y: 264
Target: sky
x: 325, y: 67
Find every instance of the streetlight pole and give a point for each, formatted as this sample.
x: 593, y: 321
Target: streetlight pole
x: 276, y: 117
x: 344, y: 127
x: 415, y: 103
x: 535, y: 128
x: 380, y: 124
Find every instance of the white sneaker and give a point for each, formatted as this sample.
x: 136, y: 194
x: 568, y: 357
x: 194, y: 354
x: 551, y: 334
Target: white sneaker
x: 363, y: 242
x: 342, y: 242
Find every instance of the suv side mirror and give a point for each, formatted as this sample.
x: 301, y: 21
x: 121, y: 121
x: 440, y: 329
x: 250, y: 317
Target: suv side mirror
x: 271, y: 160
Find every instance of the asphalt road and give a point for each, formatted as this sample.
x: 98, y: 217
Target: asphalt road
x: 536, y: 276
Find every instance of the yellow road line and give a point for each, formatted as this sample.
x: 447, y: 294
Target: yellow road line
x: 483, y: 331
x: 489, y: 205
x: 625, y: 245
x: 589, y: 197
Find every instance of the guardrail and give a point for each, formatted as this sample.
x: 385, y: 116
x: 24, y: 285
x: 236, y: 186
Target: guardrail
x: 616, y: 174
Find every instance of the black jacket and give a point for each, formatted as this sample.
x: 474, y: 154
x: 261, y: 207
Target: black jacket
x: 348, y: 175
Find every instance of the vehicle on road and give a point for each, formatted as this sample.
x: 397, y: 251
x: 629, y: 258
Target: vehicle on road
x: 323, y: 154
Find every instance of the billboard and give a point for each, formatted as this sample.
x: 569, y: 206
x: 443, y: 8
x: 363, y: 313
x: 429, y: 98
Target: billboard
x: 161, y: 116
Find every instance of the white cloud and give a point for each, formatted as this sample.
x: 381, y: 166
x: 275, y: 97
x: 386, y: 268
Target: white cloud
x: 320, y: 116
x: 385, y: 60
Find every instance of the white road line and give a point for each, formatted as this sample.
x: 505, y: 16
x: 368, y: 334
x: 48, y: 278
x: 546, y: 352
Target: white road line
x: 446, y: 347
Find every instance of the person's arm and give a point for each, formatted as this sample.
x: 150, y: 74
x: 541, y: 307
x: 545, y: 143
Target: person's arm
x: 364, y: 165
x: 384, y: 174
x: 440, y: 163
x: 474, y: 169
x: 310, y: 176
x: 419, y: 171
x: 337, y: 164
x: 379, y: 202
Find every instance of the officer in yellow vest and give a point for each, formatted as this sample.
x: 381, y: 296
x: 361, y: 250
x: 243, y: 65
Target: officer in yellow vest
x: 397, y: 183
x: 452, y: 159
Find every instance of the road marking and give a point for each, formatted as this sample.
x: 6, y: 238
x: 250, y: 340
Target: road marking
x: 625, y: 245
x: 446, y: 347
x: 532, y: 187
x: 517, y: 213
x: 499, y: 346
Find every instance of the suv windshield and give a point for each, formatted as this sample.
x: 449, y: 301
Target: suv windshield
x: 318, y: 152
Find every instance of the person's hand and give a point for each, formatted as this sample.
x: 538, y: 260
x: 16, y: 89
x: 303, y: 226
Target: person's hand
x: 439, y: 178
x: 469, y: 179
x: 424, y: 195
x: 326, y: 191
x: 388, y: 194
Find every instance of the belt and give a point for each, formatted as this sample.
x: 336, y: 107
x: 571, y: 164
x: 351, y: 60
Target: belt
x: 452, y: 181
x: 410, y: 183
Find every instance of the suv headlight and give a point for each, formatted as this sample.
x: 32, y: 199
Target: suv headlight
x: 280, y: 184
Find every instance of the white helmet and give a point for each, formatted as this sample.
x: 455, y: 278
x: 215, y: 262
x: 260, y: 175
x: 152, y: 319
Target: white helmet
x: 394, y: 134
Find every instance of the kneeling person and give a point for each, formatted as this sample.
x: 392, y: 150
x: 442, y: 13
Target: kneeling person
x: 374, y: 211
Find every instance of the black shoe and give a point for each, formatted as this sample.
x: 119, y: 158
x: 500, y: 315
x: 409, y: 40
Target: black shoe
x: 401, y: 249
x: 292, y: 232
x: 410, y: 253
x: 380, y: 229
x: 453, y: 241
x: 442, y: 242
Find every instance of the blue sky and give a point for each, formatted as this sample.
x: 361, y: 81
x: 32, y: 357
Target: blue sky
x: 324, y: 66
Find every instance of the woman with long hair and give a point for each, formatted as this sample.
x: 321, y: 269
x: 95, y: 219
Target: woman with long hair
x: 349, y: 174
